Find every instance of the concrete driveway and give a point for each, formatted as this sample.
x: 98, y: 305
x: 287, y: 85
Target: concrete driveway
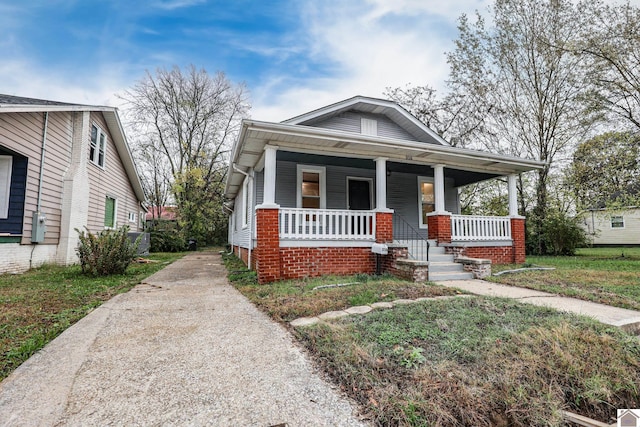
x: 182, y: 348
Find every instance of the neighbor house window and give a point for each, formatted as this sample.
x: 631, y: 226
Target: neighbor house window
x: 426, y: 199
x: 98, y: 146
x: 311, y: 184
x: 6, y: 163
x: 110, y: 210
x: 246, y: 202
x: 617, y: 222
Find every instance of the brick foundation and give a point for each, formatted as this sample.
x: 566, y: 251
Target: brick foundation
x: 298, y: 262
x: 497, y: 254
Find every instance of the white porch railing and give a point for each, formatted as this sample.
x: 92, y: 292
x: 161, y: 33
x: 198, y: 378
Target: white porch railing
x: 325, y: 224
x: 480, y: 228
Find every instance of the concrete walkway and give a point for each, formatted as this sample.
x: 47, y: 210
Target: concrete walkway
x: 183, y: 348
x: 629, y: 320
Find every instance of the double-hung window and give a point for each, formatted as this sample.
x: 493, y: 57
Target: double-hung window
x: 426, y: 199
x: 98, y: 147
x: 311, y: 187
x: 246, y: 202
x: 617, y: 221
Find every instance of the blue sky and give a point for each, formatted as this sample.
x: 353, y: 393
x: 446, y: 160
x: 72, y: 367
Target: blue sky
x: 294, y: 56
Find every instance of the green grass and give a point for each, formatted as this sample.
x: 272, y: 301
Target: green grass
x: 605, y: 275
x: 477, y: 361
x: 40, y: 304
x: 290, y: 299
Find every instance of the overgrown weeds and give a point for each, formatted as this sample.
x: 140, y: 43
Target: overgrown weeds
x: 478, y: 361
x: 105, y: 253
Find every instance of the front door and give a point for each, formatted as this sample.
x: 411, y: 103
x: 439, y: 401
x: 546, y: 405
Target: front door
x: 358, y: 194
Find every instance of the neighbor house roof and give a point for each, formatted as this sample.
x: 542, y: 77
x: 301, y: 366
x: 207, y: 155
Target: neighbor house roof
x: 299, y: 136
x: 18, y: 104
x: 167, y: 213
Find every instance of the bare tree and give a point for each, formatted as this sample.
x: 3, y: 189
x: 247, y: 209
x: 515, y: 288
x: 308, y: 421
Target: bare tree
x: 525, y: 80
x: 187, y: 121
x: 611, y: 43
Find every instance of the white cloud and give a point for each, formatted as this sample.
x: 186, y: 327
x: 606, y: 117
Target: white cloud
x: 369, y: 47
x: 178, y: 4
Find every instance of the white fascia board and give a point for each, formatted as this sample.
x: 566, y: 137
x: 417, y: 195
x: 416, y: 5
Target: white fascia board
x: 347, y: 137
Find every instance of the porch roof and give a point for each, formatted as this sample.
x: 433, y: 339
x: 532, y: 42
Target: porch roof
x: 255, y: 135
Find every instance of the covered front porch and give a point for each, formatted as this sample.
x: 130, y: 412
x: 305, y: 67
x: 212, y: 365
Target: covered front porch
x: 305, y: 217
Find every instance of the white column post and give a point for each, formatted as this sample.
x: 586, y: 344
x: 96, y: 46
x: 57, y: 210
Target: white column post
x: 513, y: 196
x: 269, y: 199
x: 381, y: 184
x: 438, y: 178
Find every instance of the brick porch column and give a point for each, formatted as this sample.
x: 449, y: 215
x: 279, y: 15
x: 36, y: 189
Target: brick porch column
x: 384, y: 226
x: 517, y: 234
x: 267, y: 245
x: 439, y: 224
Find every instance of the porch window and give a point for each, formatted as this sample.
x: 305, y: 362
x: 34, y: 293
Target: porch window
x: 617, y: 221
x: 311, y: 192
x: 426, y: 199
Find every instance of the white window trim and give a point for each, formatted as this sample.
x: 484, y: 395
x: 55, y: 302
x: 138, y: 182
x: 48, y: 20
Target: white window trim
x: 422, y: 179
x: 115, y: 212
x: 246, y: 201
x: 97, y: 152
x: 322, y: 171
x: 611, y: 222
x: 132, y: 217
x: 359, y: 178
x: 5, y: 190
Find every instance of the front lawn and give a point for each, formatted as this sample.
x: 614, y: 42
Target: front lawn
x: 40, y: 304
x: 605, y: 275
x: 290, y: 299
x: 456, y: 362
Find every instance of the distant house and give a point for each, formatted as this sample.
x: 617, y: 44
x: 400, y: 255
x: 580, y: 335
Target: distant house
x: 329, y: 190
x: 156, y: 214
x: 611, y: 226
x: 62, y: 166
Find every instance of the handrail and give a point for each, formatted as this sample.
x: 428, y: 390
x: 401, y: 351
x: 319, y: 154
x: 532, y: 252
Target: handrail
x: 404, y: 232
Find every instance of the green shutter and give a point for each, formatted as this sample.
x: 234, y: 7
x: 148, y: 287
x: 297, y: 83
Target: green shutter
x: 109, y: 211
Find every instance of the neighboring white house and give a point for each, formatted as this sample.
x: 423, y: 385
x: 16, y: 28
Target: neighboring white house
x: 62, y: 166
x: 612, y: 227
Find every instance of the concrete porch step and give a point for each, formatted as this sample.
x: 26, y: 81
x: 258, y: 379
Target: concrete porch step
x: 445, y: 267
x: 441, y: 277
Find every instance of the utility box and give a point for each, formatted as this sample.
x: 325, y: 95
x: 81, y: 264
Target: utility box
x: 38, y: 227
x: 143, y: 244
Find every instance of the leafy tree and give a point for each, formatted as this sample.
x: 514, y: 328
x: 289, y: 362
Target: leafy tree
x: 187, y: 121
x: 611, y: 43
x: 605, y: 170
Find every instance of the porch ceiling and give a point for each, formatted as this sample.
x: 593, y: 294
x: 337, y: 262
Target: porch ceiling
x: 255, y: 135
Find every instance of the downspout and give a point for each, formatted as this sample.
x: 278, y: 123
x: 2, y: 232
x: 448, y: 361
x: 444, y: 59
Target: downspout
x: 250, y: 177
x: 232, y: 226
x: 43, y: 152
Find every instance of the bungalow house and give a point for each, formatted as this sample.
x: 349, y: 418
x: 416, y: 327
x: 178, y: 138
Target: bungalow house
x: 62, y: 166
x: 326, y: 191
x: 611, y: 227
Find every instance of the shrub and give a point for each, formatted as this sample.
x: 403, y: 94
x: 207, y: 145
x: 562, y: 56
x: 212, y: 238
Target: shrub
x: 167, y: 241
x: 105, y: 253
x: 557, y: 234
